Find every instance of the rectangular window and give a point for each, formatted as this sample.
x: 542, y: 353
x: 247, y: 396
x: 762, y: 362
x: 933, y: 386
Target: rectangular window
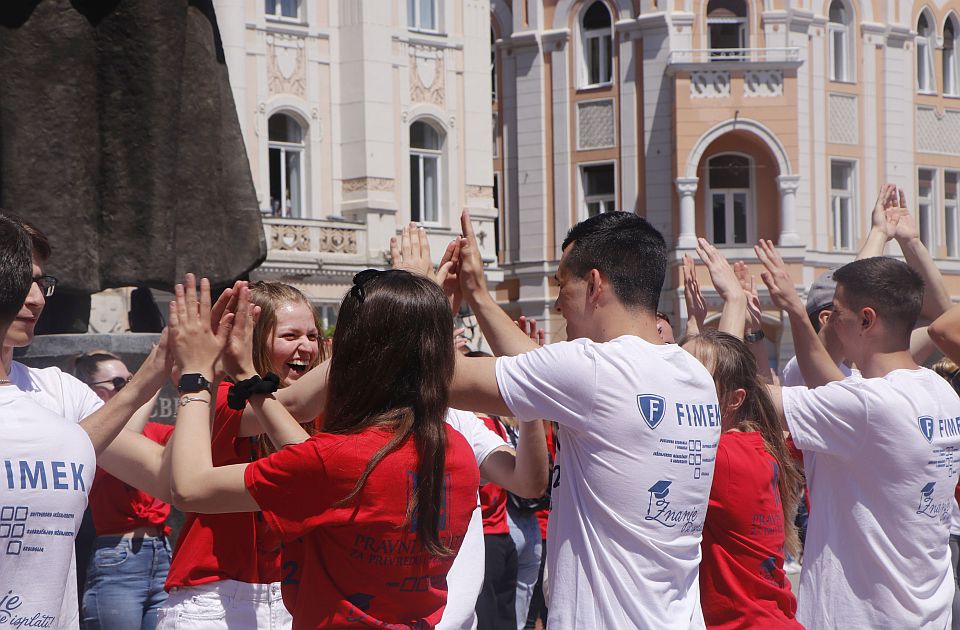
x: 598, y: 57
x: 496, y: 135
x: 727, y: 34
x: 842, y: 204
x: 282, y: 9
x: 951, y: 212
x: 838, y: 53
x: 599, y: 188
x: 424, y: 188
x: 926, y: 206
x: 422, y: 15
x: 924, y: 65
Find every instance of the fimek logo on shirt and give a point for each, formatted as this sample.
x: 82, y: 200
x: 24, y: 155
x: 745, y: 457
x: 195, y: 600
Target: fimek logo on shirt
x: 651, y: 408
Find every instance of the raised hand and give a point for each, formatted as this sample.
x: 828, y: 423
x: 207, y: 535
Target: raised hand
x: 696, y: 305
x: 721, y: 273
x: 783, y: 293
x: 472, y: 279
x: 194, y: 344
x: 899, y: 220
x: 446, y: 275
x: 749, y: 284
x: 529, y: 327
x: 886, y: 200
x: 411, y: 251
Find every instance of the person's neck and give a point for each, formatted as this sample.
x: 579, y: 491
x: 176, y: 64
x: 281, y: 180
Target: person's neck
x: 879, y: 364
x: 6, y: 360
x: 620, y: 322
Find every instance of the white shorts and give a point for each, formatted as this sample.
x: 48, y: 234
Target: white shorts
x: 225, y: 604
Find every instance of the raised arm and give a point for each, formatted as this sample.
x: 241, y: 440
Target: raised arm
x: 815, y: 363
x: 881, y: 231
x: 945, y: 332
x: 727, y: 286
x: 754, y: 322
x: 936, y: 298
x: 696, y: 305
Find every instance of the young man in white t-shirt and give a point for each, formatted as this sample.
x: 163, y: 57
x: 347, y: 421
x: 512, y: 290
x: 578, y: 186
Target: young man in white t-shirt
x: 639, y: 424
x: 886, y: 454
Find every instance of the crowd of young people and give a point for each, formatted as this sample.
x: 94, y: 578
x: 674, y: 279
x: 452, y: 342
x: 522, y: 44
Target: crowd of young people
x: 342, y: 491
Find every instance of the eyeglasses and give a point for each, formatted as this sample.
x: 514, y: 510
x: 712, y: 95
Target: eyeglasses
x: 119, y: 382
x: 47, y: 284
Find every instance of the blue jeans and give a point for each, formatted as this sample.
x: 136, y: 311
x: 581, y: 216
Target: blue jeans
x: 125, y: 579
x: 525, y: 531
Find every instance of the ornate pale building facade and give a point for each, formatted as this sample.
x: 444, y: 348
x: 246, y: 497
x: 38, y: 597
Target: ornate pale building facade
x: 730, y: 119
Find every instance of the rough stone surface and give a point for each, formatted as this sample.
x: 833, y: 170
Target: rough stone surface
x: 119, y: 138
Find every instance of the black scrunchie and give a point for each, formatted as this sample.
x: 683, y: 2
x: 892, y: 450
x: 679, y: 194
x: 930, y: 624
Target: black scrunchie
x: 360, y: 280
x: 241, y: 391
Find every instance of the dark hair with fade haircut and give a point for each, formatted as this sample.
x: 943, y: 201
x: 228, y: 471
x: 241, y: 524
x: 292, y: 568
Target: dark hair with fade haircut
x: 38, y: 240
x: 626, y: 249
x: 16, y: 268
x: 888, y: 286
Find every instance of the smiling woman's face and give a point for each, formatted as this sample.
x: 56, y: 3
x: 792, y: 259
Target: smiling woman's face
x: 295, y: 343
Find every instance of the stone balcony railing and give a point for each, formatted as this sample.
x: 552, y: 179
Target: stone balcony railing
x: 311, y: 242
x: 732, y: 58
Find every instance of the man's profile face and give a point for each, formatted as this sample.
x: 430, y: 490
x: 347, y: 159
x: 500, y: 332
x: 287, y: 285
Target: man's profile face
x: 20, y: 332
x: 571, y: 301
x: 844, y: 324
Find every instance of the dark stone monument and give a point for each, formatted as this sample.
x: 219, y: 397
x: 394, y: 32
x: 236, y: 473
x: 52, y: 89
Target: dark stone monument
x: 119, y: 138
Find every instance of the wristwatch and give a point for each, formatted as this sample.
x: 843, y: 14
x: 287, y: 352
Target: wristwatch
x: 193, y: 383
x: 754, y: 337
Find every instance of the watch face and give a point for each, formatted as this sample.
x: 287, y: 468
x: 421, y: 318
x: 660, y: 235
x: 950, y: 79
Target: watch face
x: 190, y: 383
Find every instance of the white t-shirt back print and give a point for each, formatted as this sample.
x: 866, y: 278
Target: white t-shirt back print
x: 46, y: 467
x: 639, y: 426
x: 881, y: 487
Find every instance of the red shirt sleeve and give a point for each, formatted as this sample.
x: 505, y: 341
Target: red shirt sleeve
x: 292, y: 487
x: 159, y: 433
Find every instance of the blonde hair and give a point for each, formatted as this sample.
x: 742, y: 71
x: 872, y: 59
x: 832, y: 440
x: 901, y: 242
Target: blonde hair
x: 950, y: 371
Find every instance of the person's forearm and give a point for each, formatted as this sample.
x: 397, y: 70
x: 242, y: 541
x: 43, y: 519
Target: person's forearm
x: 138, y: 461
x: 936, y: 298
x: 733, y: 315
x: 106, y: 423
x: 759, y: 351
x: 945, y: 332
x: 776, y: 396
x: 304, y: 399
x: 277, y: 423
x: 814, y: 361
x: 138, y: 421
x: 873, y: 245
x: 504, y: 337
x: 533, y: 462
x: 191, y: 456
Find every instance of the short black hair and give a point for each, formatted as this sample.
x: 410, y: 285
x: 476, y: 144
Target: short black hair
x: 16, y: 268
x: 888, y: 286
x: 627, y: 250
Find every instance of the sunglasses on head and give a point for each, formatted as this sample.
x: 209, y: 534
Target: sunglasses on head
x: 118, y: 382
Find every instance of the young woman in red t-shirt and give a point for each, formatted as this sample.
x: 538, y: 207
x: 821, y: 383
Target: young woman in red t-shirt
x: 381, y: 499
x: 753, y: 499
x: 226, y: 568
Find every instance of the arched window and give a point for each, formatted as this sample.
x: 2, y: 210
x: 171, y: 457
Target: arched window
x: 841, y: 52
x: 951, y: 73
x: 287, y: 160
x: 925, y: 44
x: 730, y: 199
x: 596, y: 34
x: 426, y: 150
x: 727, y: 27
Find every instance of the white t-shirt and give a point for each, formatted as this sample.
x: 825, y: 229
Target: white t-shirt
x: 465, y: 578
x: 793, y: 378
x: 639, y: 426
x: 61, y: 393
x: 46, y: 467
x: 881, y: 497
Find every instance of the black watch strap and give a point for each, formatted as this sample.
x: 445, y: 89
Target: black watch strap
x: 193, y: 383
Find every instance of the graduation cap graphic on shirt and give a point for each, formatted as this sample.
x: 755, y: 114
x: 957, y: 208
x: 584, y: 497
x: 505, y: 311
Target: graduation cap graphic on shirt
x: 661, y: 489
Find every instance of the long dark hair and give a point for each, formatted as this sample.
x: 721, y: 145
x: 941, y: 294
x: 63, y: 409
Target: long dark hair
x: 393, y: 360
x: 734, y: 367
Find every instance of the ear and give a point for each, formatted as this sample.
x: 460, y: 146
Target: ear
x: 824, y: 316
x: 868, y: 319
x: 595, y: 286
x: 735, y: 399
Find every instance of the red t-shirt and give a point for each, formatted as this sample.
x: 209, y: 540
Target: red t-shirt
x: 214, y: 547
x: 359, y: 565
x: 742, y: 583
x: 544, y: 515
x: 493, y: 498
x: 118, y: 508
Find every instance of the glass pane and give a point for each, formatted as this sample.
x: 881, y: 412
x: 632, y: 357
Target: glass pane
x: 276, y: 168
x: 412, y: 13
x: 739, y: 218
x: 431, y: 189
x: 951, y: 180
x: 924, y: 224
x: 838, y: 50
x: 283, y: 128
x: 839, y: 176
x: 844, y: 223
x: 428, y: 15
x: 415, y: 210
x: 923, y: 27
x: 294, y: 187
x: 593, y: 60
x: 925, y: 181
x: 594, y: 208
x: 719, y: 219
x: 726, y: 8
x: 726, y: 35
x: 729, y: 171
x: 950, y: 227
x: 423, y: 136
x: 922, y: 70
x: 269, y: 7
x: 607, y: 58
x: 598, y: 180
x: 597, y: 16
x: 289, y: 8
x: 838, y: 13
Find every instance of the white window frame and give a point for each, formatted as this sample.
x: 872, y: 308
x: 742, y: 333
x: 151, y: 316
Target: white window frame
x: 843, y: 242
x: 277, y: 16
x: 423, y: 155
x: 721, y: 53
x: 287, y: 148
x: 951, y: 215
x: 414, y: 17
x: 951, y: 59
x: 926, y: 79
x: 496, y: 135
x: 605, y: 50
x: 847, y: 73
x: 608, y: 203
x: 749, y: 193
x: 927, y: 206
